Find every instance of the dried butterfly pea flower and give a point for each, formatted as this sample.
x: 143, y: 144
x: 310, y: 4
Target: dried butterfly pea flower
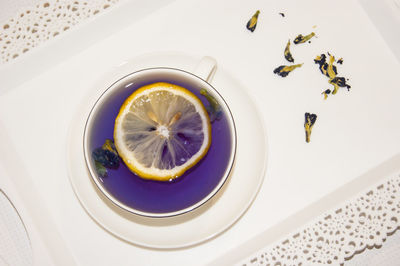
x: 326, y: 93
x: 110, y: 146
x: 282, y: 14
x: 283, y: 70
x: 214, y: 108
x: 100, y: 169
x: 308, y: 124
x: 302, y: 39
x: 287, y: 53
x: 340, y: 61
x: 330, y: 70
x: 252, y: 23
x: 106, y: 156
x: 339, y: 82
x: 323, y: 66
x: 326, y: 69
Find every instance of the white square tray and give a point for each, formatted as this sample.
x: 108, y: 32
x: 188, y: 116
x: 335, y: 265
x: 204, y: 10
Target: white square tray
x: 355, y: 130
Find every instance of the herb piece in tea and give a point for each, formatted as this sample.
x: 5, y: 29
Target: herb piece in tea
x: 302, y: 39
x: 100, y: 169
x: 252, y: 23
x: 283, y: 70
x: 106, y: 156
x: 282, y: 14
x: 308, y: 124
x: 340, y: 61
x: 213, y: 108
x: 287, y: 53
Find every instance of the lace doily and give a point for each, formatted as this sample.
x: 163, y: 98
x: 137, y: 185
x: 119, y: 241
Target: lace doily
x: 43, y: 21
x: 364, y: 221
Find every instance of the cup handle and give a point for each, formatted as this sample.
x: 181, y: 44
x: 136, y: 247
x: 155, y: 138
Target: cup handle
x: 206, y: 68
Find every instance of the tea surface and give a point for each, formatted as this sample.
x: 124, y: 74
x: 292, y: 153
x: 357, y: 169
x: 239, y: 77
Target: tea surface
x: 157, y: 196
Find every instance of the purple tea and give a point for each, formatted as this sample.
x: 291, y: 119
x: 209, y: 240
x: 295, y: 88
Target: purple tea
x: 163, y: 196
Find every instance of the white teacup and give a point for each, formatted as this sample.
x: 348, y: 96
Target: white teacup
x: 195, y: 189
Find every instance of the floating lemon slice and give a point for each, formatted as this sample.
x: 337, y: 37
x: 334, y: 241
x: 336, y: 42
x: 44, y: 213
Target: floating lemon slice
x: 161, y: 131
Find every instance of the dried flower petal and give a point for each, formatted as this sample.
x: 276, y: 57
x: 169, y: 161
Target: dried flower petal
x: 252, y: 23
x: 105, y: 157
x: 287, y: 53
x: 214, y: 108
x: 308, y: 124
x: 330, y: 70
x: 339, y: 82
x: 283, y: 70
x: 302, y: 39
x: 326, y: 93
x: 100, y: 169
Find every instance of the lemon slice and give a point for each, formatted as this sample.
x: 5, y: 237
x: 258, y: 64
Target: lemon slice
x: 161, y: 131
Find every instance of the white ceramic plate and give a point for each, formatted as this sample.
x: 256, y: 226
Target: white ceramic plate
x: 207, y: 221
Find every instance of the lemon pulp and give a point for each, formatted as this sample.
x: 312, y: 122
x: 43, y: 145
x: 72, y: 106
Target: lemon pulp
x: 161, y: 131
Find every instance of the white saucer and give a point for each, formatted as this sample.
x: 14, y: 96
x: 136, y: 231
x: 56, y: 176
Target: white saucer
x: 207, y: 221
